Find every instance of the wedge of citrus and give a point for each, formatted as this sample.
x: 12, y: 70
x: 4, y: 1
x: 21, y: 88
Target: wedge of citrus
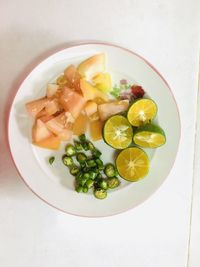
x: 141, y: 112
x: 149, y: 136
x: 132, y: 164
x: 117, y: 132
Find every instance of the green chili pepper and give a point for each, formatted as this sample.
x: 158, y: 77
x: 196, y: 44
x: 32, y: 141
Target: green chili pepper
x: 51, y: 160
x: 70, y: 150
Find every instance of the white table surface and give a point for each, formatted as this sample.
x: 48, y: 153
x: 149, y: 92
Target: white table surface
x: 158, y: 233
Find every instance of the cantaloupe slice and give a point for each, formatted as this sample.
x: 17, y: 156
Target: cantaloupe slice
x: 52, y: 106
x: 72, y: 101
x: 108, y: 109
x: 90, y: 108
x: 34, y: 107
x: 40, y: 131
x: 52, y: 89
x: 90, y: 92
x: 73, y: 77
x: 96, y: 130
x: 53, y: 143
x: 58, y: 124
x: 80, y: 124
x: 65, y: 135
x: 94, y: 117
x: 46, y: 118
x: 41, y: 113
x: 91, y: 66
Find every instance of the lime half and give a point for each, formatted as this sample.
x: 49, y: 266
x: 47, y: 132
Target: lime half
x: 141, y: 112
x: 117, y: 132
x: 132, y: 164
x: 149, y: 136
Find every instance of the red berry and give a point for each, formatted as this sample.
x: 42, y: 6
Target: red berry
x: 137, y: 91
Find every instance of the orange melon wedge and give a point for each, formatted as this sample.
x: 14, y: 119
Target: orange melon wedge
x: 52, y: 142
x: 34, y: 107
x: 96, y: 130
x: 92, y: 65
x: 80, y: 125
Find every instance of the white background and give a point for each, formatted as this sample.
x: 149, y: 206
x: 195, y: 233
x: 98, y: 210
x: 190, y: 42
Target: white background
x: 155, y: 234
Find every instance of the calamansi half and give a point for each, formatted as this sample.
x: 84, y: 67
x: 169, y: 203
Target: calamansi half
x: 132, y: 164
x: 117, y: 132
x: 149, y: 136
x: 141, y: 112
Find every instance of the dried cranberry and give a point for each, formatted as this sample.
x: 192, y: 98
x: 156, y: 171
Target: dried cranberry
x: 137, y: 91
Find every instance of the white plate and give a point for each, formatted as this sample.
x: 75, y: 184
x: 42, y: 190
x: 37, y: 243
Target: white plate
x: 53, y: 183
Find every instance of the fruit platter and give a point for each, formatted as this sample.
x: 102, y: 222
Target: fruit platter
x: 94, y: 130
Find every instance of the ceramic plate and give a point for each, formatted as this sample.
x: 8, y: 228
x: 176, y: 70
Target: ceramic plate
x: 53, y: 183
